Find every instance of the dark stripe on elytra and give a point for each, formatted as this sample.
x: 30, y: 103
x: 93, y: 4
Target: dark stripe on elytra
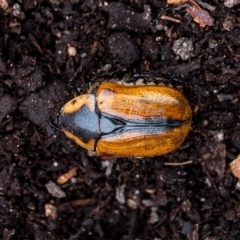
x: 146, y: 126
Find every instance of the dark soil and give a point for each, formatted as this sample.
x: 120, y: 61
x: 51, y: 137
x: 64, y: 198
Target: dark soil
x: 123, y: 198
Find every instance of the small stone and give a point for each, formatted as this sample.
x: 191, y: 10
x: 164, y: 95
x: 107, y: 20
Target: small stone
x: 231, y: 3
x: 153, y: 216
x: 55, y: 190
x: 235, y: 167
x: 184, y: 48
x: 16, y: 10
x: 120, y: 194
x: 50, y: 211
x: 108, y: 165
x: 72, y: 51
x: 4, y: 4
x: 228, y: 23
x: 224, y: 97
x: 132, y: 203
x: 212, y: 43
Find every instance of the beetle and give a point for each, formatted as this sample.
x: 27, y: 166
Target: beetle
x: 117, y: 120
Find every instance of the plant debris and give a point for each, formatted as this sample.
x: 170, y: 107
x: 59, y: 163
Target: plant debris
x: 199, y: 15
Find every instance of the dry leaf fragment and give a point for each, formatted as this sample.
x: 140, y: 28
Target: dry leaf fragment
x: 199, y: 15
x: 84, y: 202
x: 66, y: 176
x: 193, y: 9
x: 164, y: 17
x: 78, y: 203
x: 177, y: 2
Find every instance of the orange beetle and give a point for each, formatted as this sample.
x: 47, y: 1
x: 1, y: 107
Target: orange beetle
x: 122, y: 121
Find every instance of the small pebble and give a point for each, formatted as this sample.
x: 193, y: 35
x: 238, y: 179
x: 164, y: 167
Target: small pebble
x: 4, y: 4
x: 224, y: 97
x: 235, y: 167
x: 16, y: 10
x: 72, y: 51
x: 231, y: 3
x: 184, y: 48
x: 55, y: 190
